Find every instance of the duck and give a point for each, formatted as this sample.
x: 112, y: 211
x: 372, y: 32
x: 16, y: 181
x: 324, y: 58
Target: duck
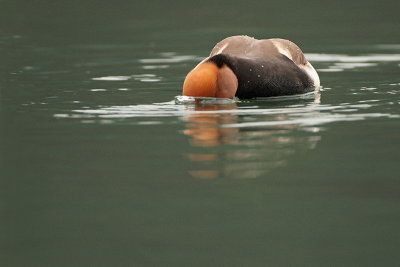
x: 247, y: 68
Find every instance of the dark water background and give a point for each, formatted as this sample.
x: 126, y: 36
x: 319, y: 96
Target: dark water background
x: 100, y: 167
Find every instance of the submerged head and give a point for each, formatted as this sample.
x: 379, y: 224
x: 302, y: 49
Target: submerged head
x: 209, y: 80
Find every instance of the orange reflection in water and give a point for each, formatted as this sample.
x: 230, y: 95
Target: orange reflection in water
x: 205, y: 128
x: 241, y: 152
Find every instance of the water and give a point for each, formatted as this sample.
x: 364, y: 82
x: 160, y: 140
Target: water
x: 104, y: 164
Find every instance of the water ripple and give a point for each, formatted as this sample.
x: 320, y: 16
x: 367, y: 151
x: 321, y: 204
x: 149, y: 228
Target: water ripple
x: 309, y: 114
x: 314, y: 57
x: 171, y: 59
x: 254, y: 113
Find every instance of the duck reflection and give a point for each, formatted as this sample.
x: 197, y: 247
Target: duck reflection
x: 225, y: 147
x: 205, y: 129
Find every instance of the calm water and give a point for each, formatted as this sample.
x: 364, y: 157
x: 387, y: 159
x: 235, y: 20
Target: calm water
x: 101, y: 165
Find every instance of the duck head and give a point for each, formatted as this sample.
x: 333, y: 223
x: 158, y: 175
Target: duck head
x: 210, y: 80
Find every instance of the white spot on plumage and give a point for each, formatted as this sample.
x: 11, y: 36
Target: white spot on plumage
x: 220, y: 50
x: 308, y: 68
x: 283, y: 50
x: 312, y: 73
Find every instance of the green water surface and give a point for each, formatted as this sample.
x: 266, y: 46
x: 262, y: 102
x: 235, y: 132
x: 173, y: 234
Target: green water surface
x: 100, y: 167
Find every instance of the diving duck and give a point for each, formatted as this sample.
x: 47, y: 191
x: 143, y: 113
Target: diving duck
x: 248, y: 68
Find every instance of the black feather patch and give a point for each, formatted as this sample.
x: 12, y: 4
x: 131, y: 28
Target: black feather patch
x: 264, y: 77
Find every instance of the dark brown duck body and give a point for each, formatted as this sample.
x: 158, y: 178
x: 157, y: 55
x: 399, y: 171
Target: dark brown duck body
x: 248, y: 68
x: 265, y: 77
